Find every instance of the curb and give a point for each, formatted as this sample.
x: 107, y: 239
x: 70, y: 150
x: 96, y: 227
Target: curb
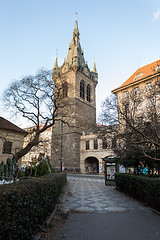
x: 38, y: 236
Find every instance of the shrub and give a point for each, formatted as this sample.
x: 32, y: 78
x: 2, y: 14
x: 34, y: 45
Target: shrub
x: 142, y: 188
x: 30, y: 171
x: 7, y: 170
x: 42, y: 168
x: 25, y: 205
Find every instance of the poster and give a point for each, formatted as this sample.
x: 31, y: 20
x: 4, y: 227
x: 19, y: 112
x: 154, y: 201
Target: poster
x: 122, y: 169
x: 111, y: 169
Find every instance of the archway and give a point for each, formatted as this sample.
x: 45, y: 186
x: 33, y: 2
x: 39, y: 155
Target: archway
x: 91, y: 165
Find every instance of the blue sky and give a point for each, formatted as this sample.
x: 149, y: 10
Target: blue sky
x: 122, y: 36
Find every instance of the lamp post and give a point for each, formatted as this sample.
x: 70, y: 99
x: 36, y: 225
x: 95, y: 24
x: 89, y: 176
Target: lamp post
x: 62, y: 124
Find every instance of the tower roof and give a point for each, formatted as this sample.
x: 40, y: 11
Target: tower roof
x: 75, y: 53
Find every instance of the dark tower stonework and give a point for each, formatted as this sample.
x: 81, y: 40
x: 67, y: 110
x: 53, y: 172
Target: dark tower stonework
x: 76, y: 105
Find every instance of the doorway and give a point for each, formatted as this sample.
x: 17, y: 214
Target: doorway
x: 91, y: 165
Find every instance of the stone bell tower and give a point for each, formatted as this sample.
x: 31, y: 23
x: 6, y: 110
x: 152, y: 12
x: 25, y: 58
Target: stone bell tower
x: 75, y: 105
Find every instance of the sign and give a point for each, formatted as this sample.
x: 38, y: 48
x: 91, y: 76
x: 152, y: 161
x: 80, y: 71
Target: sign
x: 63, y: 166
x: 111, y: 169
x: 122, y: 169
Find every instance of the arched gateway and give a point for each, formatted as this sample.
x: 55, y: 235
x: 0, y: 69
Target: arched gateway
x: 91, y: 165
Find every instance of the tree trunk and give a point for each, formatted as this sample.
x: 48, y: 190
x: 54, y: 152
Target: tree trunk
x: 27, y: 148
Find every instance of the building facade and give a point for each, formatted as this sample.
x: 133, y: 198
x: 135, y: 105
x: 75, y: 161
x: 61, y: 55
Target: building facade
x: 11, y: 139
x: 94, y: 147
x: 43, y: 148
x: 139, y: 117
x: 141, y: 91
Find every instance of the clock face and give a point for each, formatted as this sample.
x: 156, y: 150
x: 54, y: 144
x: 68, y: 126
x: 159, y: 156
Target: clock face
x: 86, y: 71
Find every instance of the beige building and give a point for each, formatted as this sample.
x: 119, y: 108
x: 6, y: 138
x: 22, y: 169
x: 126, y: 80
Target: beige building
x: 11, y: 139
x: 141, y: 91
x: 94, y: 147
x: 44, y: 147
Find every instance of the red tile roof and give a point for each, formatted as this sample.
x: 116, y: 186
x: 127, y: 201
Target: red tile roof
x: 141, y: 73
x: 5, y: 124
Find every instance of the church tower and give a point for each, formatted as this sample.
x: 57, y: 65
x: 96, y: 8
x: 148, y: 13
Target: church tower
x: 75, y: 105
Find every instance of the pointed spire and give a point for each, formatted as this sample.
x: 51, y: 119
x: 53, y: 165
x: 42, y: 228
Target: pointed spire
x: 94, y: 67
x: 56, y: 60
x: 76, y: 31
x: 76, y: 23
x: 75, y: 54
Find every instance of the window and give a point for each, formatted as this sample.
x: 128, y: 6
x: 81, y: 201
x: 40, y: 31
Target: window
x: 136, y: 90
x: 138, y: 105
x: 139, y: 118
x: 104, y: 144
x: 149, y: 86
x: 65, y: 89
x: 95, y: 144
x: 114, y: 143
x: 151, y: 102
x: 88, y: 93
x: 125, y: 94
x: 157, y: 69
x: 127, y: 108
x: 87, y: 145
x: 138, y: 76
x: 7, y: 147
x: 82, y: 92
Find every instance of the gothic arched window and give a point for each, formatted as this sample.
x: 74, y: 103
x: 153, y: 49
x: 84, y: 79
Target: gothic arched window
x: 82, y: 90
x: 65, y: 89
x: 88, y: 93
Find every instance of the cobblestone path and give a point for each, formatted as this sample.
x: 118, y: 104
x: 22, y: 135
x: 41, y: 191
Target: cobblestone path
x: 89, y: 194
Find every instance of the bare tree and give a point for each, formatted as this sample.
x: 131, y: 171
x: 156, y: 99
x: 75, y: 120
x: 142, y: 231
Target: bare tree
x: 138, y: 139
x: 109, y: 112
x: 36, y: 99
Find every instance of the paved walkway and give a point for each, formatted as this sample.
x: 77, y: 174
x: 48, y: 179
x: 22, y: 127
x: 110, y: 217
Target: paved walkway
x: 101, y: 212
x: 90, y: 194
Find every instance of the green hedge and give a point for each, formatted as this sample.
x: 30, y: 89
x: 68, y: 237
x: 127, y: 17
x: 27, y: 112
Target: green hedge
x: 144, y: 189
x: 25, y: 205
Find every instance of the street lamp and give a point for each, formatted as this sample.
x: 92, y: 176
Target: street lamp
x: 62, y: 125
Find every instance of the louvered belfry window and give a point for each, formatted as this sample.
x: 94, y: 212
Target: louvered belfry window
x: 65, y: 89
x: 88, y: 93
x: 82, y: 90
